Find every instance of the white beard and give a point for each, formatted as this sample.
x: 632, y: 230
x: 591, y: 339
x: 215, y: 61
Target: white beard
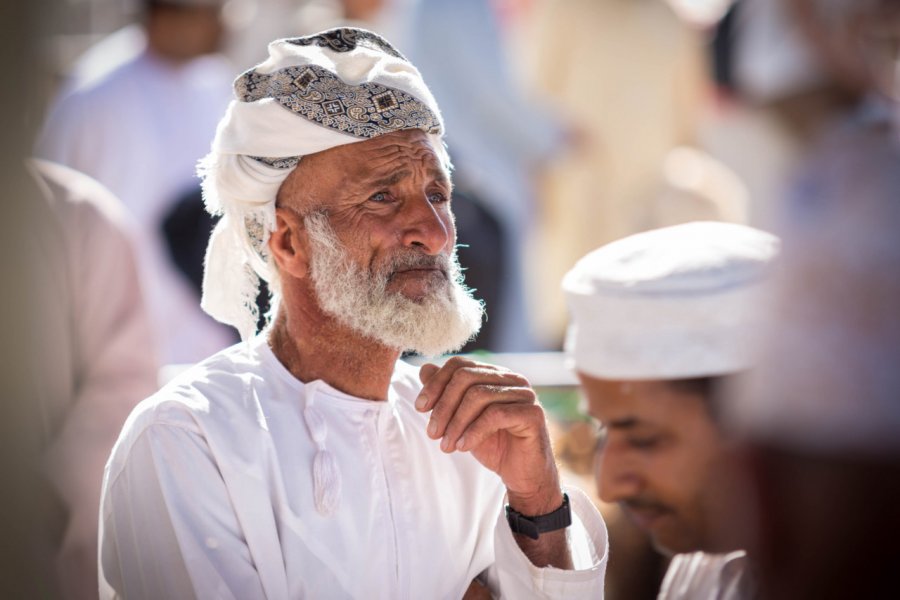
x: 441, y: 322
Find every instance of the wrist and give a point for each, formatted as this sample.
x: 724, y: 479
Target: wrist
x: 534, y: 505
x: 533, y: 526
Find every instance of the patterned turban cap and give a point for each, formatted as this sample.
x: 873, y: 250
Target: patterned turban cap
x: 312, y: 93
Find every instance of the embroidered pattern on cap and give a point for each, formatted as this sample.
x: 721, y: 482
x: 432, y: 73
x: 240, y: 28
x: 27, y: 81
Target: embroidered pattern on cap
x: 287, y: 162
x: 345, y: 39
x: 366, y: 110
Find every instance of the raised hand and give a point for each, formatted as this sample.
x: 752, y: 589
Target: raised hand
x: 494, y: 414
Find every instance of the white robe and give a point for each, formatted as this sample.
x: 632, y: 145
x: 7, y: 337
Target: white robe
x: 209, y: 492
x: 708, y: 576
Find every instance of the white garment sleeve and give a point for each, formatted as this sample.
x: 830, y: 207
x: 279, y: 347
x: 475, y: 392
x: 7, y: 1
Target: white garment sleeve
x: 514, y: 576
x: 168, y: 529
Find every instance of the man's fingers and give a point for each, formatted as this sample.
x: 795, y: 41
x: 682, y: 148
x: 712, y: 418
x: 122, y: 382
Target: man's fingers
x: 427, y: 371
x: 518, y: 419
x: 437, y: 379
x: 478, y: 385
x: 476, y: 399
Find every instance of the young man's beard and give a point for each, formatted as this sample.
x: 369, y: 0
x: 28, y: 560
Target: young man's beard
x: 442, y: 321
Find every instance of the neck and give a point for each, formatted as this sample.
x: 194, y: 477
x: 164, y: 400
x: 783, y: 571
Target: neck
x: 314, y: 346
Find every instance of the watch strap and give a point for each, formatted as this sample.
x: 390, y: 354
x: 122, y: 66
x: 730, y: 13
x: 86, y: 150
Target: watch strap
x: 534, y: 526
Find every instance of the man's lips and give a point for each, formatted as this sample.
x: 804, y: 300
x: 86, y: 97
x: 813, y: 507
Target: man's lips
x: 419, y: 272
x: 644, y: 516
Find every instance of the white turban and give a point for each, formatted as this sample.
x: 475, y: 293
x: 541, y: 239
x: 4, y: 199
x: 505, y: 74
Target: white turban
x: 312, y: 93
x: 668, y: 304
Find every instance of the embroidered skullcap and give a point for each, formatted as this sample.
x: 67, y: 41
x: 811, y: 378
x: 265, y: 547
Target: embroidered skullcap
x: 828, y: 379
x: 669, y: 303
x: 312, y: 93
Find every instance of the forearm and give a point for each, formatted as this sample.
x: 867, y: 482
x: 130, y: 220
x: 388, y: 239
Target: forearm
x: 549, y: 550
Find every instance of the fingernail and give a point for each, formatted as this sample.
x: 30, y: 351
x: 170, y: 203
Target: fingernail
x: 421, y: 401
x: 445, y: 444
x: 432, y: 428
x: 460, y: 443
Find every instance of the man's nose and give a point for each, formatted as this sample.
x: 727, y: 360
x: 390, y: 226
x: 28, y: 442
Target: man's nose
x: 427, y: 226
x: 617, y: 478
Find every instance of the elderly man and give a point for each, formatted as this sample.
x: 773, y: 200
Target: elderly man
x: 302, y: 462
x: 659, y: 320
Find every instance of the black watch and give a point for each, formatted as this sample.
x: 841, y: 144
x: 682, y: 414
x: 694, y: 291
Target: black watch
x: 534, y: 526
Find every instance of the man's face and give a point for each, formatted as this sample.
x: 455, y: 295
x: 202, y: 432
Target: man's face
x: 381, y: 238
x: 659, y: 452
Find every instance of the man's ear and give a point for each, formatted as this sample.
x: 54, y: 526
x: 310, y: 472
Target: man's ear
x: 288, y: 244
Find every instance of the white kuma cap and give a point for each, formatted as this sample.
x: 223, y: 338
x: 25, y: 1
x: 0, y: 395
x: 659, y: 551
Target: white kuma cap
x: 671, y: 303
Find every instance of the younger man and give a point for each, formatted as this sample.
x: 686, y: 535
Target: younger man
x: 659, y: 319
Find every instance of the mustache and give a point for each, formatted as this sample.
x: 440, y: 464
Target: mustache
x: 410, y: 260
x: 645, y: 504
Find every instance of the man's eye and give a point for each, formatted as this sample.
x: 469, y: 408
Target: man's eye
x: 643, y: 443
x: 380, y: 197
x: 437, y: 197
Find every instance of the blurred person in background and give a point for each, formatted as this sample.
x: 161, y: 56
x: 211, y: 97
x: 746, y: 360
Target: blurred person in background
x: 631, y: 75
x: 820, y: 417
x: 76, y: 337
x: 96, y: 334
x: 659, y: 322
x: 137, y: 114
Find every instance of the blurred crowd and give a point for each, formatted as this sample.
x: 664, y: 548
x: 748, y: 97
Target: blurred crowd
x: 570, y: 124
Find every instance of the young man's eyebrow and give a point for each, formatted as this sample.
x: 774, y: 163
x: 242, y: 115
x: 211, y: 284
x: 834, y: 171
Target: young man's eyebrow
x: 623, y: 423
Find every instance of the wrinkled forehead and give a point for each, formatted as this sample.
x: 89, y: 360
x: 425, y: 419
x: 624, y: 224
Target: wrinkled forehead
x: 382, y: 161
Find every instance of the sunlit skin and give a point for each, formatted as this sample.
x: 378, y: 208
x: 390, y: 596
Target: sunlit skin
x: 384, y: 196
x: 659, y: 458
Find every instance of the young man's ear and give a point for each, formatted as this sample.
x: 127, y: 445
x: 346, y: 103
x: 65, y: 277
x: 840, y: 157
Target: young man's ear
x: 288, y: 243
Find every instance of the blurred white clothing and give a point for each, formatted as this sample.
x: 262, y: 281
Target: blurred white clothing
x: 98, y: 362
x: 709, y: 576
x: 210, y: 493
x: 138, y: 124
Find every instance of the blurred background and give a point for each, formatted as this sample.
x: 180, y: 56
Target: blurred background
x: 570, y: 123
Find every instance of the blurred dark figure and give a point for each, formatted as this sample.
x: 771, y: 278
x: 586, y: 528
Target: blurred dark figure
x: 27, y: 547
x: 187, y: 228
x: 65, y: 313
x: 821, y: 416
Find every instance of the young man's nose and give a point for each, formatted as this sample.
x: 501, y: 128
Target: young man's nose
x: 617, y: 480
